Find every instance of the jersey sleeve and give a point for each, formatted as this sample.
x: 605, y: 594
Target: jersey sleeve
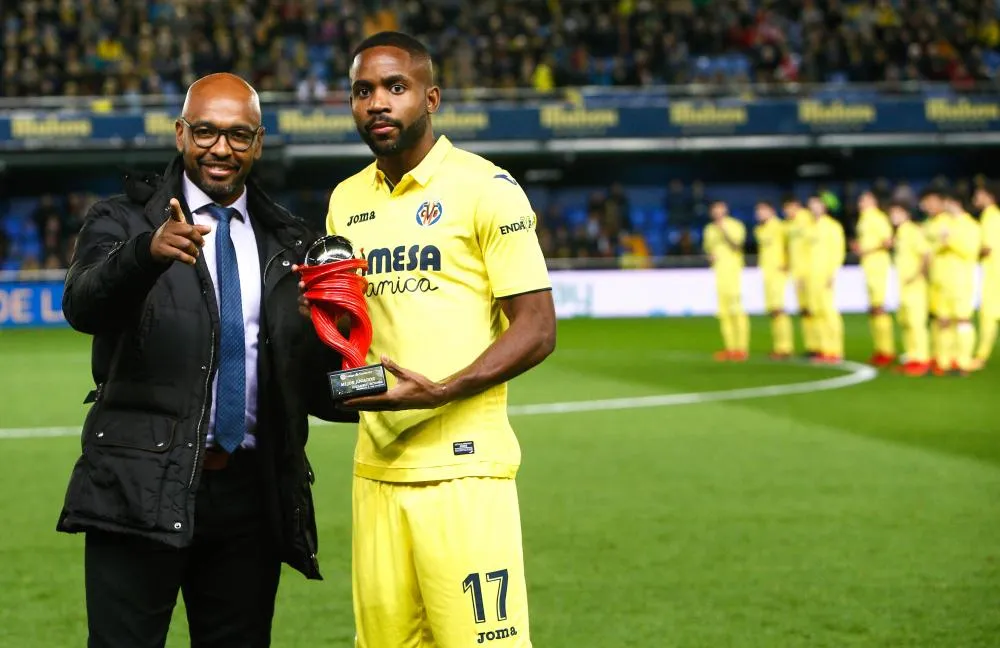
x: 739, y: 234
x: 505, y: 227
x: 991, y: 232
x: 966, y: 242
x: 836, y: 247
x: 707, y: 239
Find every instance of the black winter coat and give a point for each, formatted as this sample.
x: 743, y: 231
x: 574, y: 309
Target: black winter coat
x: 155, y: 351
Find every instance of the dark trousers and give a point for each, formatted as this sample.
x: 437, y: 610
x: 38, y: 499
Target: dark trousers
x: 228, y: 576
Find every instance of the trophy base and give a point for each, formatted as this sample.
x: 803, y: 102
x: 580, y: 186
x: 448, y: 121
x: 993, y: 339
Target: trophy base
x: 353, y: 383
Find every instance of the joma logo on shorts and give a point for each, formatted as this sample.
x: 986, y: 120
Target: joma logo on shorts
x: 360, y: 218
x: 493, y: 635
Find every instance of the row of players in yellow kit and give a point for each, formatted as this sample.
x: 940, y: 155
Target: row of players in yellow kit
x: 935, y: 266
x: 808, y: 248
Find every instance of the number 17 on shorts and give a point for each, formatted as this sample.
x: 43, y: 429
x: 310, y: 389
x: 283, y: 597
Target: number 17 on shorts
x: 473, y: 584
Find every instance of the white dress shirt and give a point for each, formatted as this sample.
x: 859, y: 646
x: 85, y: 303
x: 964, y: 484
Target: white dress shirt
x: 248, y: 260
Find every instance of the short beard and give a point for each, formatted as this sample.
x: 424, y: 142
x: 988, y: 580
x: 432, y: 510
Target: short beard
x: 408, y: 138
x: 220, y: 192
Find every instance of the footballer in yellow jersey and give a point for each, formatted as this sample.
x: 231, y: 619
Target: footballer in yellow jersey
x: 772, y: 259
x: 872, y: 245
x: 460, y: 302
x: 827, y: 248
x: 956, y: 243
x: 799, y: 222
x: 723, y: 242
x: 932, y: 205
x: 989, y: 305
x: 913, y: 260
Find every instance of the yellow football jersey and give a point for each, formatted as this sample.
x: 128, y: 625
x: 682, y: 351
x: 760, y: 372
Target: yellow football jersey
x: 827, y: 247
x: 799, y: 237
x: 956, y: 244
x: 990, y: 225
x: 874, y: 229
x: 911, y: 247
x: 726, y: 258
x: 443, y: 246
x: 772, y: 244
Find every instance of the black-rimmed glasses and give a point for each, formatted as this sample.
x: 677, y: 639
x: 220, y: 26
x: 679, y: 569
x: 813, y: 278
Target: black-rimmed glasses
x: 206, y: 135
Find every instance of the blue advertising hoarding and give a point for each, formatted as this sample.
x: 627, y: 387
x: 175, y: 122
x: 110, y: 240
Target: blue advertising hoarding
x: 31, y: 304
x: 905, y: 115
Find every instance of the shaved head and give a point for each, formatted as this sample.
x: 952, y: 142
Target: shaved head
x: 222, y: 84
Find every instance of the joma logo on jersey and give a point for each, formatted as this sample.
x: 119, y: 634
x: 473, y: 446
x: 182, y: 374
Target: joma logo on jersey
x: 360, y: 218
x: 403, y: 259
x: 493, y: 635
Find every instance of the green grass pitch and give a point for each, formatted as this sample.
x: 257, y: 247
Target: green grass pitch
x: 862, y: 516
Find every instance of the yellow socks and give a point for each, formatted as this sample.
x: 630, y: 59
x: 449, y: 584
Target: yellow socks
x: 728, y: 332
x: 810, y: 333
x: 987, y: 336
x: 741, y: 326
x: 945, y: 347
x: 966, y: 338
x: 837, y: 334
x: 782, y: 336
x: 882, y: 334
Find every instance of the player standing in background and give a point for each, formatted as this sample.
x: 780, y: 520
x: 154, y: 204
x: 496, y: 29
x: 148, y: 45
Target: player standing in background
x: 723, y: 243
x: 961, y: 246
x: 913, y: 260
x: 872, y: 246
x: 772, y: 258
x: 989, y: 306
x: 826, y: 255
x: 799, y: 223
x: 932, y: 206
x: 458, y: 291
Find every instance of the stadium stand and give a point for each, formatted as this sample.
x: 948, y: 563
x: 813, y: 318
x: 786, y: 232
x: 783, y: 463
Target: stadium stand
x: 135, y: 47
x: 130, y: 49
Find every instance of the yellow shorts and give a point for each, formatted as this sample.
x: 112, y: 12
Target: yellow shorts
x: 775, y: 282
x: 729, y: 286
x: 990, y: 298
x: 955, y: 300
x: 438, y: 565
x: 821, y: 298
x: 934, y: 300
x: 877, y: 283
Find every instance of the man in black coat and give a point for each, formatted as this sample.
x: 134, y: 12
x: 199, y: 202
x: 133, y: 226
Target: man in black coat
x: 193, y: 475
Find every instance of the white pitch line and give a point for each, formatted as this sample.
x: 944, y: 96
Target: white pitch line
x: 858, y: 373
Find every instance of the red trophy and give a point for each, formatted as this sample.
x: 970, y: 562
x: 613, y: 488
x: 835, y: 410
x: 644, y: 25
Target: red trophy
x: 334, y: 290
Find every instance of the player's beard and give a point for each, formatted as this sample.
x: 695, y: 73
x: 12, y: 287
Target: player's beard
x: 408, y: 137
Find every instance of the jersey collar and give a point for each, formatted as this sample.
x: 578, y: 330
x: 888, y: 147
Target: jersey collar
x: 423, y: 172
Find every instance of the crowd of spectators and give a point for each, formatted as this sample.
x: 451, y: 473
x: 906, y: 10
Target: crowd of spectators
x: 141, y: 47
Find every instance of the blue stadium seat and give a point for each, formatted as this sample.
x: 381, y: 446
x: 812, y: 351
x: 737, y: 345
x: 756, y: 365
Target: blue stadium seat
x: 658, y: 217
x: 656, y: 242
x: 576, y: 216
x: 646, y: 197
x: 638, y: 218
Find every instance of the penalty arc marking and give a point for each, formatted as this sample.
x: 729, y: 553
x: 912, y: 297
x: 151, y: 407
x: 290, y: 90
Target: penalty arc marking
x: 856, y: 374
